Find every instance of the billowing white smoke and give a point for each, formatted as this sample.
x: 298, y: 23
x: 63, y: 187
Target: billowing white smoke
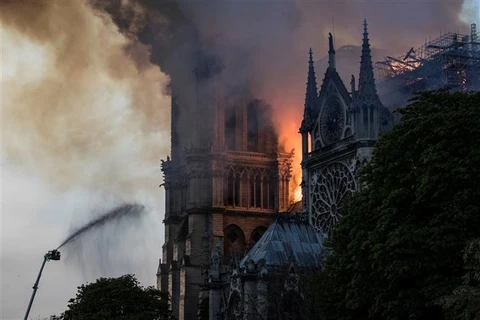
x: 85, y: 122
x: 470, y: 11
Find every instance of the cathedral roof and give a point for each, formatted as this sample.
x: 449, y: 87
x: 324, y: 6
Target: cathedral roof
x: 288, y: 240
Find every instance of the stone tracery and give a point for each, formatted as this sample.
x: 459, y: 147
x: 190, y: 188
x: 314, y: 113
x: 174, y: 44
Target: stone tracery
x: 329, y: 188
x: 249, y: 187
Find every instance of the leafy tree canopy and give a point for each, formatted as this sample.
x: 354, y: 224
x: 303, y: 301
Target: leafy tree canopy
x: 400, y: 247
x: 117, y: 298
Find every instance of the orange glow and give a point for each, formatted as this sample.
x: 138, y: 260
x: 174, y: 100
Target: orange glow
x: 297, y: 195
x: 290, y: 139
x: 400, y: 68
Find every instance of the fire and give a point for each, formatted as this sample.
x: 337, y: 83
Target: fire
x: 297, y: 194
x: 290, y: 139
x: 399, y: 68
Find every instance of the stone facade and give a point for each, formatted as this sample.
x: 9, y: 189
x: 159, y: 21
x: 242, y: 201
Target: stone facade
x: 266, y: 283
x: 339, y: 130
x: 224, y: 181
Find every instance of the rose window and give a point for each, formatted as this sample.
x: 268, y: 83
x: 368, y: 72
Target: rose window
x: 329, y: 188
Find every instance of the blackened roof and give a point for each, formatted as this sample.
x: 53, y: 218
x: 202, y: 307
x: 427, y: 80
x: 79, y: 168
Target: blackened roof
x: 288, y: 240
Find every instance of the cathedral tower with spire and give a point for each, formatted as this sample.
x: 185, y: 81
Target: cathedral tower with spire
x: 339, y: 129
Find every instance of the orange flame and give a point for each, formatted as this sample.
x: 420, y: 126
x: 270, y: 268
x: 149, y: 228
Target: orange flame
x: 290, y: 139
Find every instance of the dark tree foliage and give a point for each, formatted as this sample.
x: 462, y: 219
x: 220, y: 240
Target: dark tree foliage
x: 464, y: 302
x: 117, y: 298
x: 399, y: 249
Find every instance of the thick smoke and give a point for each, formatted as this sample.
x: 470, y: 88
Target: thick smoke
x: 261, y: 47
x: 77, y: 108
x: 85, y: 122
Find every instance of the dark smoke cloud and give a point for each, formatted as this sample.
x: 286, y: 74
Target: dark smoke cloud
x: 260, y: 48
x: 262, y: 45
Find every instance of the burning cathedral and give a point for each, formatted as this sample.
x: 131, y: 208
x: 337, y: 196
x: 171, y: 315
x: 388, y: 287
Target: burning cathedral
x: 234, y: 245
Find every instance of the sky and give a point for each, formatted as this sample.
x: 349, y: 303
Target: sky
x: 85, y: 117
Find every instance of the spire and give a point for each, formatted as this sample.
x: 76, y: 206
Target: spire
x: 312, y: 93
x: 366, y: 81
x: 331, y: 52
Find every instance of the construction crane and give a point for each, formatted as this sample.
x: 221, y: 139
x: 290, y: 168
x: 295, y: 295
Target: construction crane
x: 50, y: 255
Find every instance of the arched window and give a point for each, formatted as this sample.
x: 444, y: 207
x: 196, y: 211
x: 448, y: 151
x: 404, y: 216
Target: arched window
x: 236, y: 187
x: 271, y: 201
x: 252, y: 191
x: 230, y: 187
x: 256, y: 234
x: 234, y: 242
x: 266, y: 192
x: 258, y: 191
x: 235, y: 307
x: 348, y: 132
x: 244, y: 186
x: 365, y: 119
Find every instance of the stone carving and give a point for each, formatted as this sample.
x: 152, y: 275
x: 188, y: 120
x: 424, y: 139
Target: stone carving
x: 329, y: 188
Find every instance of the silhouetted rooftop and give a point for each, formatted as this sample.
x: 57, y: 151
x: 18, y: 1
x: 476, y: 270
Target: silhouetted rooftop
x: 289, y: 239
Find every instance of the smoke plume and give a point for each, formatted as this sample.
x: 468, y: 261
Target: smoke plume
x: 78, y: 109
x: 85, y: 122
x: 261, y: 47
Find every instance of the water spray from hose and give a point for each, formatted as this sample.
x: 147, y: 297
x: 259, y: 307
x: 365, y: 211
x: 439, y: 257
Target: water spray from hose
x: 115, y: 214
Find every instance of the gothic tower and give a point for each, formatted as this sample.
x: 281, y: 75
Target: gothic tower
x: 223, y: 183
x: 339, y: 130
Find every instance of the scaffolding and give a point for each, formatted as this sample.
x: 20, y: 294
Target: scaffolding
x: 452, y: 60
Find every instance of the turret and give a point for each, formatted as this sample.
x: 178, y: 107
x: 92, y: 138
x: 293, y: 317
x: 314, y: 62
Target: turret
x: 331, y: 52
x: 366, y: 80
x: 365, y: 100
x: 311, y: 99
x: 311, y: 95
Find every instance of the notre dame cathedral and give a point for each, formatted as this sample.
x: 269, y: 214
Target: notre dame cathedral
x: 339, y: 130
x: 235, y: 246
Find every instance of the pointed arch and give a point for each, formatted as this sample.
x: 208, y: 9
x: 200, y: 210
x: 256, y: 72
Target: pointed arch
x: 256, y: 234
x: 235, y: 307
x: 236, y: 188
x: 234, y: 242
x: 258, y: 190
x: 229, y: 191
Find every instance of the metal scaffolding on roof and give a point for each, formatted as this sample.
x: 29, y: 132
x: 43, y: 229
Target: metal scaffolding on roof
x: 451, y: 60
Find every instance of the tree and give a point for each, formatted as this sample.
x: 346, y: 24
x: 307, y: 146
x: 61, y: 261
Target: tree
x: 399, y: 248
x: 117, y: 298
x: 464, y: 302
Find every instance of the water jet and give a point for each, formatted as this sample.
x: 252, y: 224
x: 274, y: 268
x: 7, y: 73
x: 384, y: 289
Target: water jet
x: 117, y: 213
